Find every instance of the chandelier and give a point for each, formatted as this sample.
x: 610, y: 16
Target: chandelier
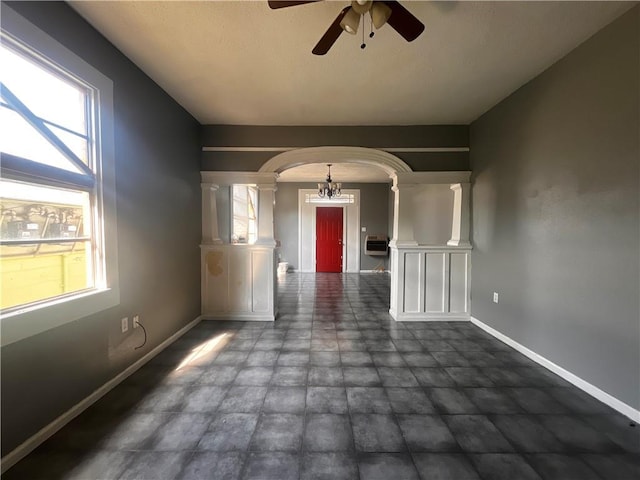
x: 329, y: 188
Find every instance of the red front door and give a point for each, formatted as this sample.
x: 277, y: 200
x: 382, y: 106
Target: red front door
x: 329, y: 239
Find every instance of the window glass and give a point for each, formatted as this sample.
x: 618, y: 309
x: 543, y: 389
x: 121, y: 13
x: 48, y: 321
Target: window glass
x: 244, y: 205
x: 45, y: 91
x: 48, y: 243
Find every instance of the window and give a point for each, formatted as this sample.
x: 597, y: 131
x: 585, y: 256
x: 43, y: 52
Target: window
x: 244, y: 208
x: 56, y: 184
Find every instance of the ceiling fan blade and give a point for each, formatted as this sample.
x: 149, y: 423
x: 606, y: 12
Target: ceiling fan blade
x: 331, y: 35
x: 403, y: 21
x: 275, y: 4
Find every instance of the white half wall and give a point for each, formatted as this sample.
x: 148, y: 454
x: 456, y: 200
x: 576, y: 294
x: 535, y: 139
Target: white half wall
x: 238, y: 282
x: 430, y: 283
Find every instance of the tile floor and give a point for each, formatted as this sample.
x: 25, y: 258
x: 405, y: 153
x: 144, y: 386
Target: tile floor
x: 335, y: 389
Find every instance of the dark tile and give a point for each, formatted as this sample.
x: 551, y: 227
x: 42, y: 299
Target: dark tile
x: 155, y: 465
x: 293, y: 359
x: 182, y: 431
x: 203, y: 398
x: 397, y: 377
x: 361, y: 376
x: 327, y: 433
x: 271, y: 466
x: 268, y: 344
x: 536, y: 400
x: 505, y: 377
x: 243, y: 400
x: 427, y: 433
x: 451, y: 401
x: 368, y: 400
x: 444, y: 466
x: 377, y: 433
x: 436, y: 345
x: 205, y: 465
x: 554, y: 466
x: 278, y: 432
x: 475, y: 433
x: 356, y: 359
x: 324, y: 345
x: 451, y: 359
x: 329, y: 466
x: 468, y: 377
x: 409, y: 400
x: 231, y: 357
x: 326, y: 400
x: 96, y: 464
x: 289, y: 376
x: 419, y: 359
x: 579, y: 402
x: 577, y: 436
x: 619, y: 429
x: 254, y: 376
x: 134, y: 431
x: 388, y: 359
x: 614, y: 467
x: 285, y: 400
x: 326, y: 376
x: 407, y: 345
x: 503, y: 466
x: 262, y: 358
x: 324, y: 359
x: 380, y: 345
x: 433, y: 377
x: 231, y: 431
x: 526, y: 434
x: 164, y: 398
x: 219, y: 375
x: 384, y: 466
x: 492, y: 400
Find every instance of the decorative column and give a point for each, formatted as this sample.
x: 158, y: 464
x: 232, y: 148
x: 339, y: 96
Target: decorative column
x: 266, y: 207
x: 210, y: 233
x: 461, y: 220
x: 403, y: 234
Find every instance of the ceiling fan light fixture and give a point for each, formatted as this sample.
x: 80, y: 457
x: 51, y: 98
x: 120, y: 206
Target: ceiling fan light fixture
x: 380, y: 13
x: 350, y: 22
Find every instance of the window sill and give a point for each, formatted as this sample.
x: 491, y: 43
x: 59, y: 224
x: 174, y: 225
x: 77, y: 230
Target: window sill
x: 33, y: 320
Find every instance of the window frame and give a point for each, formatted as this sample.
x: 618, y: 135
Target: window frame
x: 31, y: 319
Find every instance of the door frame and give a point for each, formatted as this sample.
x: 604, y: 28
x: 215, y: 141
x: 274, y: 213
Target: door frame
x: 307, y: 231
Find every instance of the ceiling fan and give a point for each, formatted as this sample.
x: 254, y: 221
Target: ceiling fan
x: 381, y: 12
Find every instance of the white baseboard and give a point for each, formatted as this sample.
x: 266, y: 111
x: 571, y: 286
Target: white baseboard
x: 26, y: 447
x: 239, y: 317
x: 587, y: 387
x: 432, y: 317
x: 375, y: 271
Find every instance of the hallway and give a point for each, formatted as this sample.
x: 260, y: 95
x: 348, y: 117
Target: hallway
x: 336, y: 389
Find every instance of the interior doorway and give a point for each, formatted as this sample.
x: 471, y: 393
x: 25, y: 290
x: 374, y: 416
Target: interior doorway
x: 329, y: 234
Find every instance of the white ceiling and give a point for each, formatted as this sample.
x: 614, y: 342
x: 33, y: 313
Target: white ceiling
x: 241, y: 63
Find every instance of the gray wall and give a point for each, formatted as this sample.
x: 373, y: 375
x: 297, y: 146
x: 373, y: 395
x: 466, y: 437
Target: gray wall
x: 555, y: 212
x: 430, y: 136
x: 374, y: 202
x: 158, y: 201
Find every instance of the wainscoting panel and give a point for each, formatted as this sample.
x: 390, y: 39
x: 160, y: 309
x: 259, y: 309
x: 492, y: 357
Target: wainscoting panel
x: 238, y: 282
x: 430, y: 283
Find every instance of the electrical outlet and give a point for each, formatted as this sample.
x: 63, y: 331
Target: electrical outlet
x: 125, y: 324
x: 364, y: 229
x: 495, y: 297
x: 136, y: 321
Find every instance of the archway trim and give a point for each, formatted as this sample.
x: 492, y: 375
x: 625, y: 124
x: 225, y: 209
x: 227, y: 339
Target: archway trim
x: 368, y: 156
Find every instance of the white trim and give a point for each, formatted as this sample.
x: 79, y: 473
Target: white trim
x: 239, y: 317
x: 367, y: 156
x: 386, y: 149
x: 583, y: 385
x: 26, y: 447
x: 432, y: 317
